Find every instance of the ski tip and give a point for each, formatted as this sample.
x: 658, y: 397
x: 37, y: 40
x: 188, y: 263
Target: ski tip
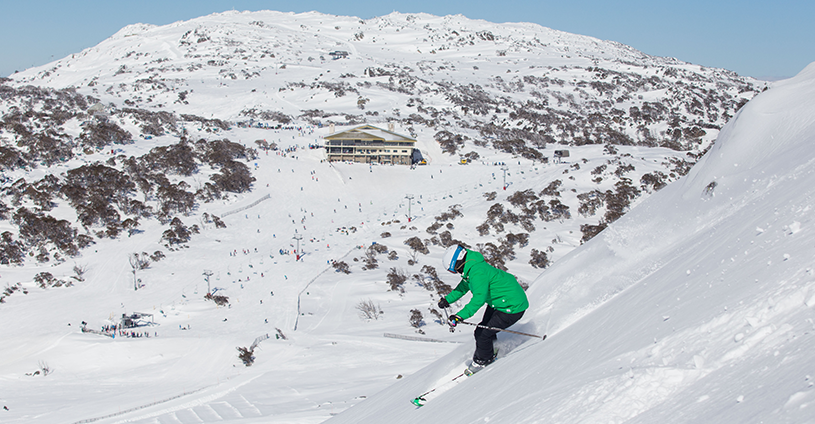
x: 544, y: 337
x: 418, y: 402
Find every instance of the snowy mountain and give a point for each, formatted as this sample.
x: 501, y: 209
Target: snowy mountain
x: 468, y: 88
x: 169, y: 162
x: 517, y: 86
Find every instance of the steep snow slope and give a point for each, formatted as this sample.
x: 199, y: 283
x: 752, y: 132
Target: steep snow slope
x: 697, y: 306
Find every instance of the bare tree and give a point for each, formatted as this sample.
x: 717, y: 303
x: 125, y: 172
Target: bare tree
x: 370, y: 255
x: 416, y: 246
x: 396, y: 279
x: 138, y: 262
x: 80, y: 270
x: 367, y: 310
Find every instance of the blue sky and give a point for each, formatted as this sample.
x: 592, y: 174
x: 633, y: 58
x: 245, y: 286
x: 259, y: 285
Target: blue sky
x: 756, y: 38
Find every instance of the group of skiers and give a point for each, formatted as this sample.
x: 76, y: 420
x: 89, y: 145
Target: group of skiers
x: 117, y: 330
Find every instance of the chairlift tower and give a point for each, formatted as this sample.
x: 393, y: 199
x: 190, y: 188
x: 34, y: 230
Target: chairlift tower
x: 297, y: 237
x: 505, y: 169
x: 410, y: 202
x: 207, y: 273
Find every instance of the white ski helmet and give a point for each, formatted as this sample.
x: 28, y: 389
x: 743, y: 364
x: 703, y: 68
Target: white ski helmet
x: 452, y: 255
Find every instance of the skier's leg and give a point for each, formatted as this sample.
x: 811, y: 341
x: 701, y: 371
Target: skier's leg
x: 503, y: 320
x: 484, y: 338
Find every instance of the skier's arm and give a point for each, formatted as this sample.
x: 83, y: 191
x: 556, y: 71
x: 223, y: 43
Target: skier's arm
x: 479, y: 286
x: 461, y: 289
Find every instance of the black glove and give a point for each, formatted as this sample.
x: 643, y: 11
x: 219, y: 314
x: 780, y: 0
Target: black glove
x: 443, y: 303
x: 454, y: 320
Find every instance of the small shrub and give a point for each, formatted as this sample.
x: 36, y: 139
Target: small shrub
x: 367, y: 310
x: 43, y: 279
x: 80, y: 271
x: 178, y: 233
x: 370, y: 255
x: 416, y: 318
x: 11, y: 251
x: 157, y: 256
x: 218, y: 299
x: 552, y: 189
x: 433, y: 228
x: 396, y: 280
x: 483, y: 229
x: 539, y: 259
x: 416, y: 246
x: 246, y: 356
x: 341, y: 266
x: 218, y: 222
x: 589, y: 231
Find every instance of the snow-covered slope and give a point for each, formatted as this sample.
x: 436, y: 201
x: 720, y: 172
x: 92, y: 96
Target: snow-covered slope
x: 662, y: 312
x: 695, y: 307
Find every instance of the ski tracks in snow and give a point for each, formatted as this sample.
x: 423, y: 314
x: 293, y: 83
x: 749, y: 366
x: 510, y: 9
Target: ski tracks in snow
x: 194, y: 410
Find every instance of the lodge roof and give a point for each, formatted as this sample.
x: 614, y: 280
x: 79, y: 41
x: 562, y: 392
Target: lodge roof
x: 371, y: 132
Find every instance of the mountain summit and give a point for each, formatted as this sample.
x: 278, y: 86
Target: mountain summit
x: 503, y: 81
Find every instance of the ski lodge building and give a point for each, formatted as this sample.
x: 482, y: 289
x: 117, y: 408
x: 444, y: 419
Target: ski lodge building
x: 369, y: 144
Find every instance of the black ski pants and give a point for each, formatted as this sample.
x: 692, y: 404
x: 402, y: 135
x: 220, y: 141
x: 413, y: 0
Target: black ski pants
x: 484, y: 337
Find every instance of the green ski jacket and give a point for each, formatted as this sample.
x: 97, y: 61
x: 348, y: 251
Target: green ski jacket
x: 489, y: 285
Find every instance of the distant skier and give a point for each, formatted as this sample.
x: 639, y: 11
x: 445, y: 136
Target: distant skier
x: 499, y: 290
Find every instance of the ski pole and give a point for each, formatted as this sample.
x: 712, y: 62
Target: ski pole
x: 447, y: 317
x: 501, y: 329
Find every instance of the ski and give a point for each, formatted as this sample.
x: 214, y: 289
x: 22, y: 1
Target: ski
x: 420, y: 400
x: 468, y: 371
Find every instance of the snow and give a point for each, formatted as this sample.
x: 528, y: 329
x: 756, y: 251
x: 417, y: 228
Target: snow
x: 696, y: 306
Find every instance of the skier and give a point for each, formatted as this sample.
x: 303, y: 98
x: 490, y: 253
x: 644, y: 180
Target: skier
x: 505, y: 299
